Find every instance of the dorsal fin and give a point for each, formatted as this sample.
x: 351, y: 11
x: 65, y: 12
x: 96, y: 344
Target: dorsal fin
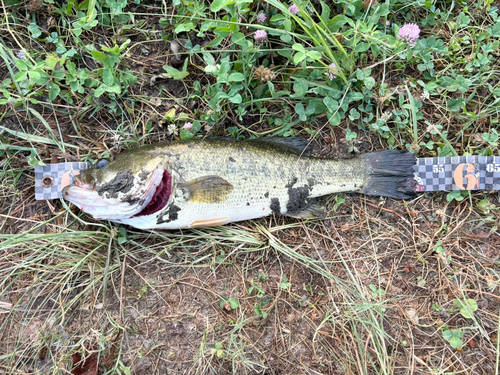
x: 297, y: 145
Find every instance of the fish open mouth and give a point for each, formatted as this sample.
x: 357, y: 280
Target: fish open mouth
x: 160, y: 197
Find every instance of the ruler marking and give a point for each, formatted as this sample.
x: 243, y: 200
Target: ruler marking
x: 469, y: 172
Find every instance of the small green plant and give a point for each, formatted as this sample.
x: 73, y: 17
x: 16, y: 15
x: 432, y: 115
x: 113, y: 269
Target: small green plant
x: 458, y: 195
x: 350, y: 135
x: 175, y: 73
x: 339, y: 200
x: 486, y: 206
x: 304, y: 113
x: 218, y: 350
x: 229, y: 303
x: 438, y: 248
x: 259, y: 310
x: 187, y: 133
x: 376, y: 292
x: 491, y: 138
x: 454, y: 336
x: 285, y: 285
x: 262, y: 277
x: 436, y: 307
x: 112, y: 81
x: 467, y: 307
x: 121, y: 235
x: 421, y: 281
x: 256, y: 289
x: 142, y: 291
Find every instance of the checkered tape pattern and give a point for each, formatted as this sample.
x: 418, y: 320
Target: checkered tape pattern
x: 58, y: 172
x: 458, y: 173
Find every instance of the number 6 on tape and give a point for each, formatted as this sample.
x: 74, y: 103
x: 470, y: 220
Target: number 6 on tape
x: 458, y: 173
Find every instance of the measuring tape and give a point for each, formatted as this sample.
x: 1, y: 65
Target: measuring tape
x: 458, y: 173
x: 52, y: 178
x: 431, y: 174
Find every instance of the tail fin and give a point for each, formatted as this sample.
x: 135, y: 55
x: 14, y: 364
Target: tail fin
x: 390, y: 174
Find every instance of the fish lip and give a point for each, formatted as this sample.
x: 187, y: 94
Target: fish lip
x: 114, y: 209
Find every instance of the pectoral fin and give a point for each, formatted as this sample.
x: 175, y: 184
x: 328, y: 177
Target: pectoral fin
x: 312, y: 211
x: 208, y: 189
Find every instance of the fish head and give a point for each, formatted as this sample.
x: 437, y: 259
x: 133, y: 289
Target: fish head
x: 132, y: 184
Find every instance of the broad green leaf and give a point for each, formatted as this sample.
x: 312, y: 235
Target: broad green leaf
x: 236, y: 99
x: 239, y: 39
x: 298, y: 57
x: 34, y: 75
x: 361, y: 47
x: 75, y: 86
x: 219, y: 4
x: 299, y: 47
x: 53, y: 91
x: 314, y: 54
x: 21, y: 65
x: 99, y: 91
x: 212, y: 68
x: 20, y: 76
x: 123, y: 45
x: 335, y: 118
x: 495, y: 30
x: 317, y: 104
x: 41, y: 78
x: 188, y: 26
x: 175, y: 73
x: 34, y: 30
x: 354, y: 97
x: 107, y: 76
x: 234, y: 303
x: 186, y: 134
x: 325, y: 12
x: 223, y: 31
x: 287, y: 39
x: 277, y: 17
x: 456, y: 104
x: 455, y: 342
x: 337, y: 22
x: 236, y: 77
x: 209, y: 59
x: 300, y: 87
x: 99, y: 56
x: 287, y: 24
x: 369, y: 82
x: 331, y: 103
x: 114, y: 89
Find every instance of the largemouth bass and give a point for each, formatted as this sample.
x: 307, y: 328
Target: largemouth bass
x: 211, y: 182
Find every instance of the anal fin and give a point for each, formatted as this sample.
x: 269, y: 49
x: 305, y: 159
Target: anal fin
x: 209, y: 222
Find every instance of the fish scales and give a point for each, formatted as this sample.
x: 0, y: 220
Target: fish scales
x: 259, y: 174
x: 217, y: 181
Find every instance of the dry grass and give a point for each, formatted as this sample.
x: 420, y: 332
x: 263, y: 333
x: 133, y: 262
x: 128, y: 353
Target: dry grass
x: 365, y: 292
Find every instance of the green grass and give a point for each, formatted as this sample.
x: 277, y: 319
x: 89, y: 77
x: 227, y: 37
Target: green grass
x: 363, y: 291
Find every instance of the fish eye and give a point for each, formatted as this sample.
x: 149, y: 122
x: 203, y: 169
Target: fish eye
x: 102, y: 163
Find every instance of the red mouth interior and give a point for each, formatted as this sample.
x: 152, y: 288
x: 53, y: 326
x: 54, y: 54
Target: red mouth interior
x: 160, y: 197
